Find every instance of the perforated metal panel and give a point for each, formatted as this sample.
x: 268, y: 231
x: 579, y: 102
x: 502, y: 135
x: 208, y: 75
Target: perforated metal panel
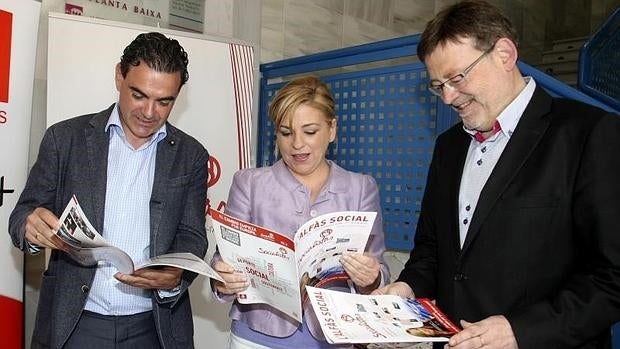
x: 598, y: 63
x: 387, y: 129
x: 605, y: 76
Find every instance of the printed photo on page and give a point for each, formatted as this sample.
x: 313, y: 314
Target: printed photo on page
x: 356, y: 318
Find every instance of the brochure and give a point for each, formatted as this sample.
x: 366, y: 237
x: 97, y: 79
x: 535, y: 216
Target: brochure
x: 279, y: 267
x: 84, y: 244
x: 356, y: 318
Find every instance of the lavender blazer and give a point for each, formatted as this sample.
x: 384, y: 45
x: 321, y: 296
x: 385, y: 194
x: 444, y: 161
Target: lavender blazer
x: 271, y: 197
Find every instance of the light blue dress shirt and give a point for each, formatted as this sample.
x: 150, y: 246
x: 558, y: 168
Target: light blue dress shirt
x: 127, y: 219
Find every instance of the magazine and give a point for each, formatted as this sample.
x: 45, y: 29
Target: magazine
x: 279, y: 267
x: 78, y: 238
x: 356, y: 318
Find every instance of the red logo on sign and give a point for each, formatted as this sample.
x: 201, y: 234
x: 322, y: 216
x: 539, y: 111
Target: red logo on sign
x: 215, y: 170
x: 6, y: 27
x: 71, y: 9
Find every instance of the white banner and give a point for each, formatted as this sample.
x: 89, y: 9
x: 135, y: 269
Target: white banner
x: 214, y: 106
x: 19, y: 22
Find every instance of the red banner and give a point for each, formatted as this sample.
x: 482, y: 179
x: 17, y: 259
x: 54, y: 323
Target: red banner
x: 12, y: 314
x: 11, y: 322
x: 18, y: 37
x: 6, y: 26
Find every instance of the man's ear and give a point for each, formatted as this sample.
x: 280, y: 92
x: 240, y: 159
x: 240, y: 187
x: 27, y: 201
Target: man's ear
x: 118, y: 77
x: 507, y: 53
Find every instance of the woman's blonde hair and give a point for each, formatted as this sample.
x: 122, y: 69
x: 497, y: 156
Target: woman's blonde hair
x: 308, y: 90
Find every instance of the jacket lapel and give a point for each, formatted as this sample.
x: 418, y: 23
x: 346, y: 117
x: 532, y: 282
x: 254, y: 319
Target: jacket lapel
x: 166, y: 152
x: 454, y: 181
x: 527, y: 135
x: 97, y: 144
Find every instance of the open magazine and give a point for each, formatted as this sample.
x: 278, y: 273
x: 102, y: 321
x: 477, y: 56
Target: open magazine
x: 356, y: 318
x: 83, y: 243
x: 279, y: 267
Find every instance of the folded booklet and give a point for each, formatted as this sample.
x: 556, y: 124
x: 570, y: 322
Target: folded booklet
x: 356, y: 318
x: 278, y: 267
x: 80, y: 240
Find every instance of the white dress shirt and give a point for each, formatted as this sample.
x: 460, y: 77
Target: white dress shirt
x: 482, y: 156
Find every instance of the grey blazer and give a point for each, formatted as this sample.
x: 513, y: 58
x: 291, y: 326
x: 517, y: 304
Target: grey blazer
x: 73, y: 159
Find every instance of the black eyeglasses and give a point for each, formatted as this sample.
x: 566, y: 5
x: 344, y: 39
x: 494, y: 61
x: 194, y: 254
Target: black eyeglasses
x: 456, y: 80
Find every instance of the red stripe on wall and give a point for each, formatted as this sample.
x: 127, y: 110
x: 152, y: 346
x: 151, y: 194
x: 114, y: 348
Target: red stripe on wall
x: 6, y: 27
x: 233, y: 64
x: 248, y: 84
x: 241, y: 63
x: 246, y: 54
x: 11, y: 323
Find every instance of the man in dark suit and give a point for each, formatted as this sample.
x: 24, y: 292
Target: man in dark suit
x: 518, y: 232
x: 142, y: 182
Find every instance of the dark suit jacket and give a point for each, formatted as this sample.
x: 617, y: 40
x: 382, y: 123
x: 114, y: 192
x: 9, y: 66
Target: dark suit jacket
x: 73, y: 159
x: 543, y: 247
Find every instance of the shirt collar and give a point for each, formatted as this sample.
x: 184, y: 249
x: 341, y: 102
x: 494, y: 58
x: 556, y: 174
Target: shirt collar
x: 114, y: 122
x: 510, y: 116
x: 336, y: 182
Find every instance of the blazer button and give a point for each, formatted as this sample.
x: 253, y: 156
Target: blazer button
x: 85, y: 288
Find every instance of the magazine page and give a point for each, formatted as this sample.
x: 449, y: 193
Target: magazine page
x: 265, y: 257
x: 93, y: 255
x: 321, y: 241
x: 355, y: 318
x: 84, y: 244
x: 75, y: 229
x: 183, y: 260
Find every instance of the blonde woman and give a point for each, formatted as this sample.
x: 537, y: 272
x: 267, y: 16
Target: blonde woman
x: 301, y: 185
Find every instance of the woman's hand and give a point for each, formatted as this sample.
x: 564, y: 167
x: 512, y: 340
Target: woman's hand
x: 233, y: 282
x: 398, y: 288
x: 363, y: 269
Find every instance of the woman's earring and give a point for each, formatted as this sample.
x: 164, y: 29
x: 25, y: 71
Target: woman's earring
x: 276, y: 151
x: 333, y: 149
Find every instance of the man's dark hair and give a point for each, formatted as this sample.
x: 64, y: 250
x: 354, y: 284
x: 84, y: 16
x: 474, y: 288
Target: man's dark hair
x: 473, y: 19
x: 160, y: 53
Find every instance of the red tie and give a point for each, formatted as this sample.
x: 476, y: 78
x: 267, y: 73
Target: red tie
x: 481, y: 138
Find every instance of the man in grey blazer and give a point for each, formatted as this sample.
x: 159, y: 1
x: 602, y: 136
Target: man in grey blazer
x: 518, y: 232
x: 142, y: 183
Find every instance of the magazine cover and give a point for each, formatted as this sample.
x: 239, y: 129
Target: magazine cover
x: 279, y: 267
x: 356, y: 318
